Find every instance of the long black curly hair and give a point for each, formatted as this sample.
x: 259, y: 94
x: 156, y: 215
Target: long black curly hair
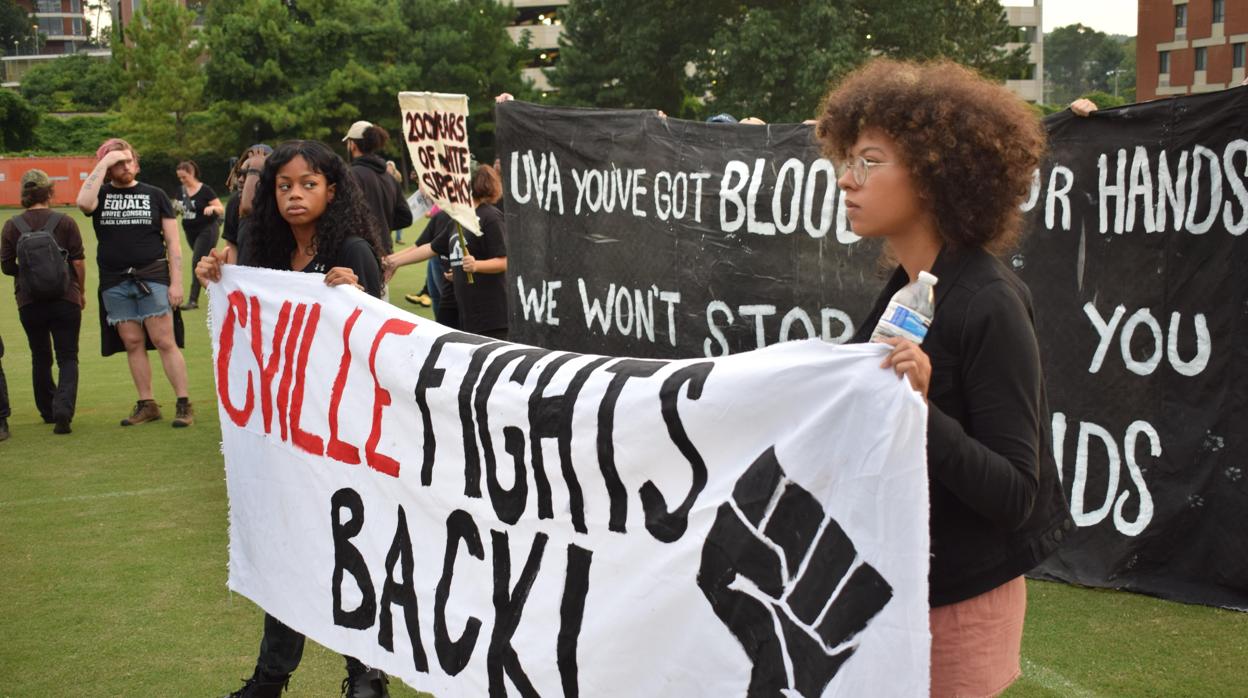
x: 271, y: 242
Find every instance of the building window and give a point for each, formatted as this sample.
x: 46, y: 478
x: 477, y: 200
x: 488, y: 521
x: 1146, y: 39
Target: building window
x: 1026, y: 35
x: 75, y: 6
x: 1180, y: 16
x: 78, y: 26
x: 1163, y: 66
x: 1219, y: 11
x: 48, y: 6
x: 51, y: 26
x: 1237, y: 56
x: 1202, y: 58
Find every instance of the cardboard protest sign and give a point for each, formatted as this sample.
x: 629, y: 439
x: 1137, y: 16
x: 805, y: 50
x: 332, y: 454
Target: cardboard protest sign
x: 486, y: 518
x: 633, y: 234
x: 435, y: 128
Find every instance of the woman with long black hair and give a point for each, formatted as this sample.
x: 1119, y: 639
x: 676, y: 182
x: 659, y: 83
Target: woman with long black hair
x: 308, y: 216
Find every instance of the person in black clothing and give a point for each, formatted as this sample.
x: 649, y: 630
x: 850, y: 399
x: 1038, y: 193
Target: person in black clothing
x: 479, y: 274
x: 997, y: 507
x: 308, y: 216
x: 4, y: 399
x: 49, y: 322
x: 382, y: 194
x: 242, y: 182
x: 201, y: 214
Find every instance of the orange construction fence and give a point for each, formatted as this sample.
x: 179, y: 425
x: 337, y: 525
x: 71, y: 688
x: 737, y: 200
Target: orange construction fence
x: 67, y: 173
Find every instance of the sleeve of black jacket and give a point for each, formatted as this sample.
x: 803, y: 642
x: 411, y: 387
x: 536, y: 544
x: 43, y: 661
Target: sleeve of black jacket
x: 402, y: 212
x: 994, y: 469
x: 358, y: 256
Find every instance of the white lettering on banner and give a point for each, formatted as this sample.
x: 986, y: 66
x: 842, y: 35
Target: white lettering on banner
x: 482, y: 518
x: 1113, y: 499
x: 1192, y: 193
x: 624, y: 310
x: 1166, y: 343
x: 719, y: 316
x: 541, y: 304
x: 541, y: 179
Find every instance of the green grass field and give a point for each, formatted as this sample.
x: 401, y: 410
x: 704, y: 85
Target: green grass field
x: 114, y: 549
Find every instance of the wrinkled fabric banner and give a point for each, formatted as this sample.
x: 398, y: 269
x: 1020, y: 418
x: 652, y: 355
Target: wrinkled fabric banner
x: 486, y: 518
x: 435, y: 128
x: 629, y: 233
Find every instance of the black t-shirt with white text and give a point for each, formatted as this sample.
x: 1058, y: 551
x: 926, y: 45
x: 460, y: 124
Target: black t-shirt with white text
x: 483, y: 303
x: 193, y: 218
x: 127, y: 224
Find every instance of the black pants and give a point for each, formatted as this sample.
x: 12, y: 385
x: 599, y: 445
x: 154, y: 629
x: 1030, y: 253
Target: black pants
x: 202, y: 241
x: 4, y: 386
x: 281, y: 648
x: 53, y: 326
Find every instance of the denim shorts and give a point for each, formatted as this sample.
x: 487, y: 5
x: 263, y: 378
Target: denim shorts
x: 126, y: 302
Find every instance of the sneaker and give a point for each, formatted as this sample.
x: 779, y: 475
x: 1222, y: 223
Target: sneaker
x: 62, y: 427
x: 144, y: 411
x: 369, y: 684
x: 4, y: 428
x: 190, y: 305
x: 421, y: 299
x: 185, y: 416
x: 261, y: 686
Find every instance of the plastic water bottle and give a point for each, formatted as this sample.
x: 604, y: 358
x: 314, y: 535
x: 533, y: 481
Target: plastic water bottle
x: 909, y: 313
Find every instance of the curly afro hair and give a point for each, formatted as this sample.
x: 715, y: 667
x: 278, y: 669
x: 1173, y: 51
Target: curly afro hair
x: 972, y: 146
x: 271, y: 242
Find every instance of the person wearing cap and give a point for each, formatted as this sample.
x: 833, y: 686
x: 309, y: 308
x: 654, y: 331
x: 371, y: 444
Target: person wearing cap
x: 52, y: 324
x: 140, y: 261
x: 383, y: 194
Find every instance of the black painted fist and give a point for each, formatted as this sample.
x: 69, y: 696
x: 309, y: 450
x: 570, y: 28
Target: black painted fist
x: 787, y: 582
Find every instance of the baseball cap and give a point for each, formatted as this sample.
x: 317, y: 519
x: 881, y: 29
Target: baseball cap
x: 356, y: 131
x: 37, y: 179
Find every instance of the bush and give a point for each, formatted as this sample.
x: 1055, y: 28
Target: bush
x: 73, y: 83
x: 18, y: 120
x: 74, y: 135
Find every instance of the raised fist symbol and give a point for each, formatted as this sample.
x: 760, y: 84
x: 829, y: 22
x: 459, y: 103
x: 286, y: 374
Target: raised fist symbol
x: 787, y: 582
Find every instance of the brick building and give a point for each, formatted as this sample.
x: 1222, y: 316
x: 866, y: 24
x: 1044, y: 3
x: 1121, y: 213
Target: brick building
x: 1189, y: 46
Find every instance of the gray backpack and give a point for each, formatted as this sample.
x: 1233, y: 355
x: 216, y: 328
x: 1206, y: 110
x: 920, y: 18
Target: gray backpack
x: 42, y: 266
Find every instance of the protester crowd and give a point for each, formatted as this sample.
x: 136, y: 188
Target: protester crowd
x: 996, y: 507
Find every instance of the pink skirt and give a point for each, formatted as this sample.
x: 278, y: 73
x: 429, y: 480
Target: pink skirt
x: 976, y: 643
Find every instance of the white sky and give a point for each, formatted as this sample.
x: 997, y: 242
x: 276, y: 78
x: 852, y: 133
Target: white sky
x: 1109, y: 16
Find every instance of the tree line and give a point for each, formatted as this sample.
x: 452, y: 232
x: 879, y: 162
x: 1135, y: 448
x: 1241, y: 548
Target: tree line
x: 221, y: 75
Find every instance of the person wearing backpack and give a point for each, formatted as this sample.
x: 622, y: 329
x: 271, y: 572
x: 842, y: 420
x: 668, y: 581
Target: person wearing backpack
x: 43, y: 249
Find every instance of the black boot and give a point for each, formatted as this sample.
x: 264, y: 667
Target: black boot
x: 368, y: 684
x: 4, y: 428
x: 261, y: 686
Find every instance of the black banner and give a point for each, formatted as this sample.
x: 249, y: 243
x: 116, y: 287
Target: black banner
x: 632, y: 234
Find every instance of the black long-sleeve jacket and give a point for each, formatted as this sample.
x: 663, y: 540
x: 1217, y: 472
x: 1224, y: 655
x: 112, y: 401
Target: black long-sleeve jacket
x: 384, y: 196
x: 998, y: 508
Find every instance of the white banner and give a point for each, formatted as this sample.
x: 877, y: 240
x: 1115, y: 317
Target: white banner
x: 484, y: 518
x: 435, y: 127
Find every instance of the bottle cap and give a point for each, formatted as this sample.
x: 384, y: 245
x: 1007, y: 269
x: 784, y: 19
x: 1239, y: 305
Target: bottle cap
x: 927, y: 278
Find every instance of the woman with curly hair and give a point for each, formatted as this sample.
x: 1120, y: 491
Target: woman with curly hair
x: 936, y: 161
x: 308, y: 216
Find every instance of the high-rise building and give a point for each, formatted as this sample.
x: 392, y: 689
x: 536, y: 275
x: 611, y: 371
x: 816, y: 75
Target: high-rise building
x: 540, y: 19
x: 57, y: 28
x: 61, y: 25
x: 1026, y: 18
x: 1189, y: 46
